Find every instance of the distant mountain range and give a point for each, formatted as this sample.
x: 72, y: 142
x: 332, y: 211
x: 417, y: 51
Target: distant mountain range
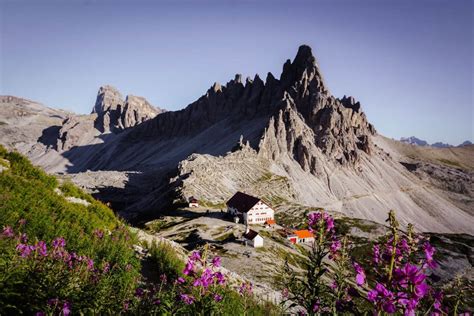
x: 419, y: 142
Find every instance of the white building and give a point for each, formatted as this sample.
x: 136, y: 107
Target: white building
x: 252, y: 209
x: 193, y: 202
x: 252, y: 238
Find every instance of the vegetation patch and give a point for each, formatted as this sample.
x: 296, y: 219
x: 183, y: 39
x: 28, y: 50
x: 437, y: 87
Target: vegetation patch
x: 451, y: 163
x: 209, y: 204
x: 228, y: 237
x: 81, y: 256
x: 165, y: 259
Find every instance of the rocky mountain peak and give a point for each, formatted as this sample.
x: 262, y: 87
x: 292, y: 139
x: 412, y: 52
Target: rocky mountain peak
x: 115, y: 114
x: 304, y: 68
x: 108, y: 98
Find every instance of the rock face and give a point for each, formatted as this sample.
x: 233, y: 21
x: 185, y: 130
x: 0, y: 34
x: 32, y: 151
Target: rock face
x: 339, y: 129
x: 114, y: 114
x: 137, y: 110
x: 110, y: 114
x: 108, y: 99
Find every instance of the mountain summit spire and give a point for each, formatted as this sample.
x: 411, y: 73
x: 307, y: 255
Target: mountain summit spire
x: 304, y: 66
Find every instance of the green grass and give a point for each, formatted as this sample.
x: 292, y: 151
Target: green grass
x: 451, y: 163
x: 228, y: 237
x: 268, y: 177
x: 4, y: 163
x: 69, y: 189
x: 164, y: 257
x: 209, y: 204
x: 345, y: 224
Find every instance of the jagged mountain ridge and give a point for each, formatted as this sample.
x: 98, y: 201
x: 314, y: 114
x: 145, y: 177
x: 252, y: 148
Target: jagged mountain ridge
x: 341, y: 130
x: 301, y: 145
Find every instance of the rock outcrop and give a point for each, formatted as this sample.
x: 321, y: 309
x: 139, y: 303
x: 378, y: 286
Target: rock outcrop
x: 110, y: 114
x: 114, y: 114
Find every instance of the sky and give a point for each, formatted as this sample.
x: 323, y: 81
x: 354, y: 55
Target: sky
x: 409, y: 63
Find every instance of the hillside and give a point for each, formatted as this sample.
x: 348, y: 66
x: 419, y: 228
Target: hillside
x: 287, y: 139
x: 64, y: 252
x: 53, y: 226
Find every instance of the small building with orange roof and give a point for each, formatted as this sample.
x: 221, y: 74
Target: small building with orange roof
x: 270, y: 223
x: 301, y: 236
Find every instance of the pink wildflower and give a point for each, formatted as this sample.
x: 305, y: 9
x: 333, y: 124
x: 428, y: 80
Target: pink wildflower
x: 187, y: 299
x: 8, y: 232
x: 216, y: 262
x: 217, y: 297
x: 360, y: 274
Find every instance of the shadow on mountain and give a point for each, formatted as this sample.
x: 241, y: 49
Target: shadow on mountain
x: 49, y: 136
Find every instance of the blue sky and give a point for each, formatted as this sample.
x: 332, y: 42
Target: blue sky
x: 410, y: 63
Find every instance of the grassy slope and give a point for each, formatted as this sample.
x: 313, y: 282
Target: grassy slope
x: 28, y: 193
x: 458, y: 157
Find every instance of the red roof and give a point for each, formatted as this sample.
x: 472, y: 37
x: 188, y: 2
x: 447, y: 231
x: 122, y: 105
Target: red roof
x: 270, y: 222
x: 242, y: 202
x: 303, y: 233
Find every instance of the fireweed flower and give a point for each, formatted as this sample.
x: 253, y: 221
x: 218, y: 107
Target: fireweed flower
x: 216, y: 262
x: 335, y: 246
x: 24, y: 249
x: 66, y: 308
x: 53, y: 301
x: 189, y: 268
x: 205, y: 280
x: 41, y: 248
x: 360, y: 274
x: 181, y: 280
x: 195, y: 256
x: 90, y: 264
x: 139, y: 292
x: 329, y: 223
x: 59, y: 242
x: 187, y: 299
x: 217, y: 297
x: 219, y: 278
x: 429, y: 253
x: 376, y: 254
x: 382, y: 297
x: 245, y: 288
x: 313, y: 218
x: 438, y: 298
x: 126, y: 305
x: 22, y: 222
x: 24, y: 238
x: 8, y: 232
